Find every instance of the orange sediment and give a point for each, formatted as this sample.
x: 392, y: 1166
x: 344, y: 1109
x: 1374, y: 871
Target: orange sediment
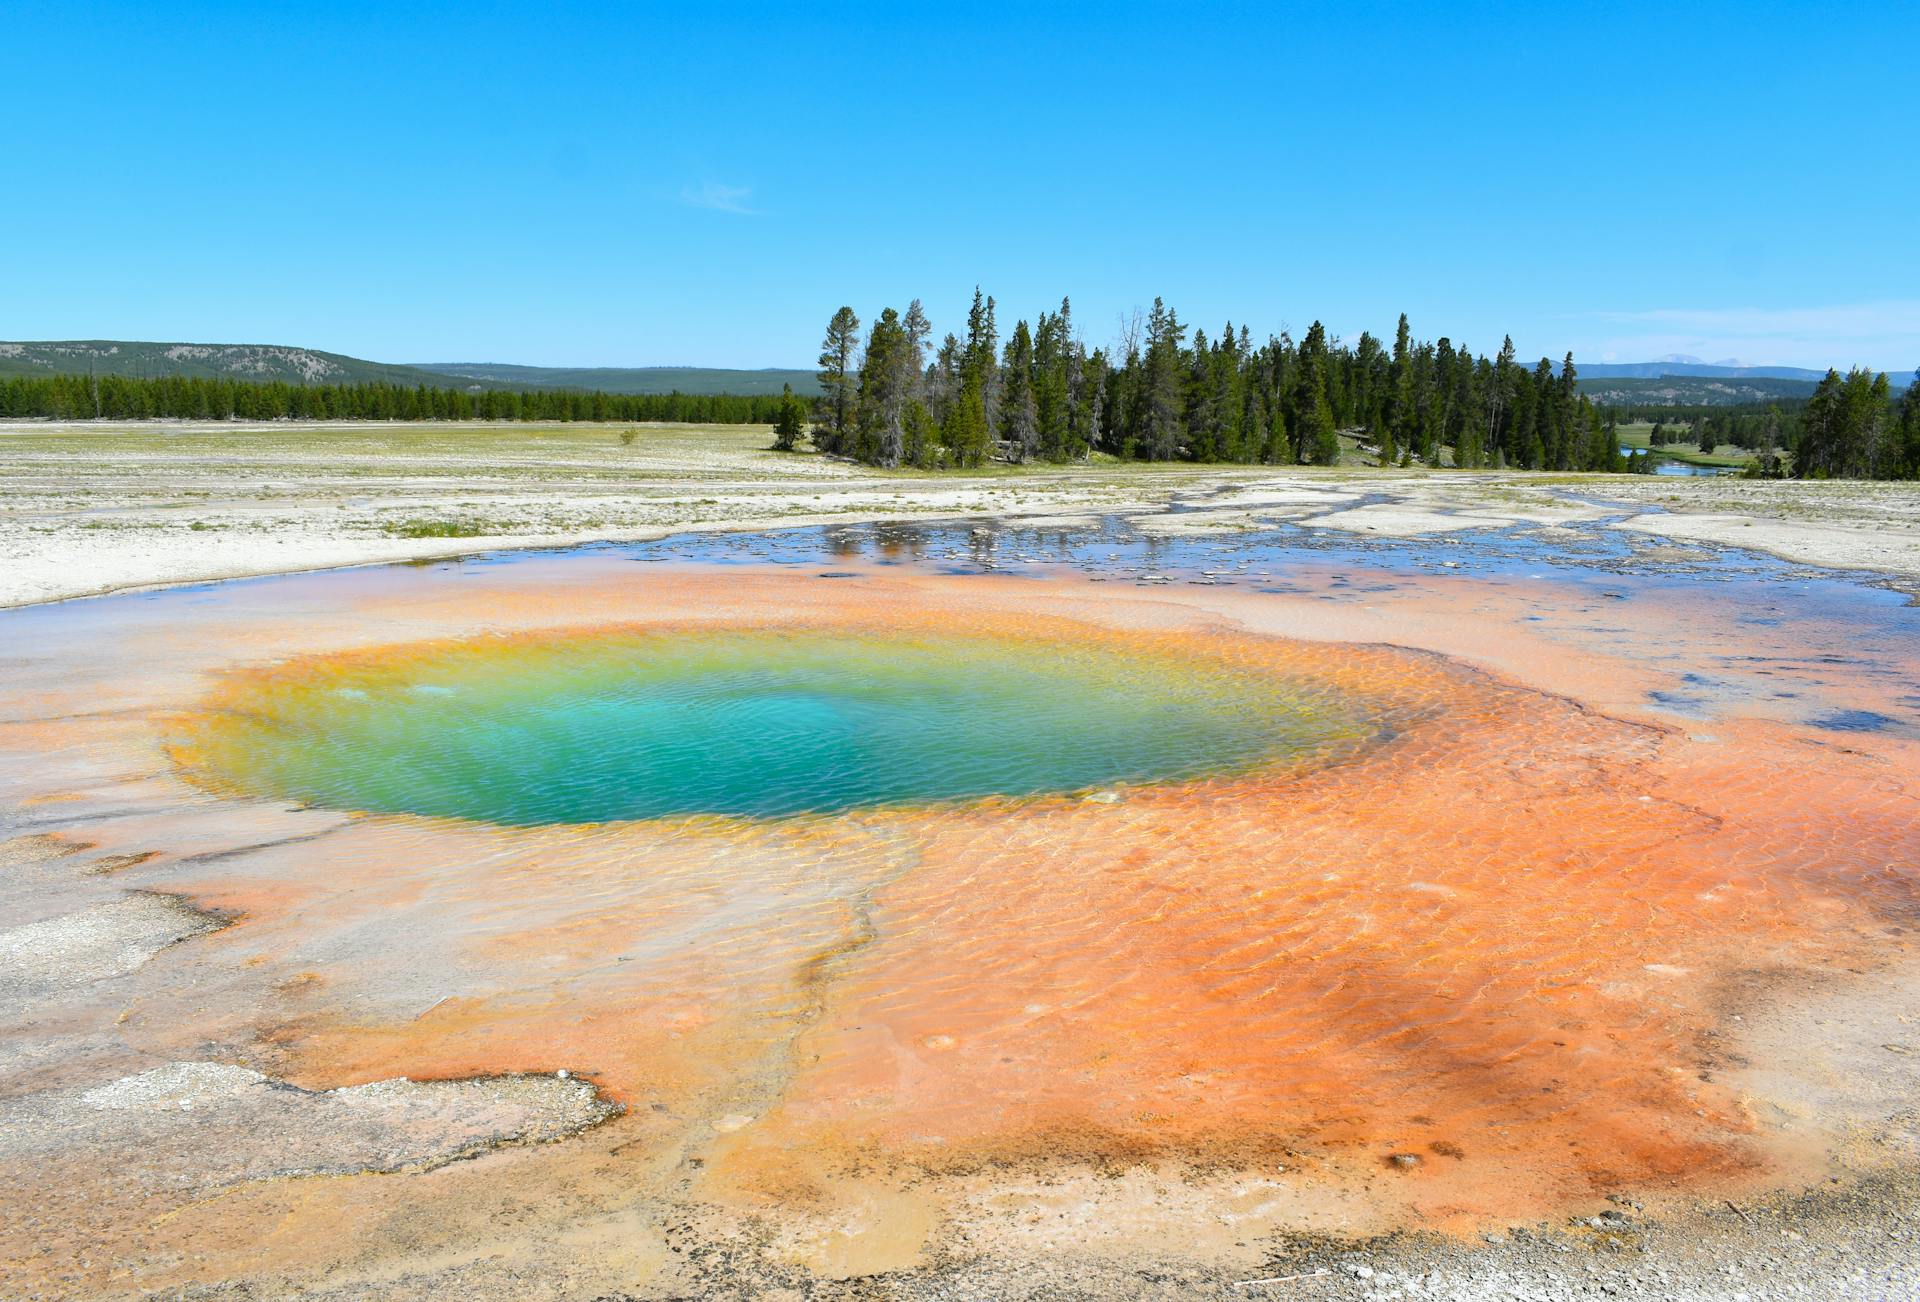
x: 1487, y: 955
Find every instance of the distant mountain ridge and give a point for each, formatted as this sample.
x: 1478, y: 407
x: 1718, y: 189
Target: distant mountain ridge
x: 258, y: 363
x: 1691, y: 366
x: 633, y: 379
x: 264, y: 363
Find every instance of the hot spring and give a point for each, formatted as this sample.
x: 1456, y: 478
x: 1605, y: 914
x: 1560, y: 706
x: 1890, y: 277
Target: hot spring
x: 633, y: 724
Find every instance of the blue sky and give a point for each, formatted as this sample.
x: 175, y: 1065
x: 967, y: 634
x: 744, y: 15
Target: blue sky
x: 630, y: 185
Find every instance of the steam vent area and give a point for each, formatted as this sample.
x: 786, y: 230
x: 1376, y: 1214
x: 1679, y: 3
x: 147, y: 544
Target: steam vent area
x: 889, y: 911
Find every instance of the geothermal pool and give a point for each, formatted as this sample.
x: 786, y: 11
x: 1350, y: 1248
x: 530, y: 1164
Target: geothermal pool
x: 606, y: 725
x: 887, y: 893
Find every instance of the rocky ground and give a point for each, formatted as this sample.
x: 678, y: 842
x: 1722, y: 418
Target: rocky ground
x: 1860, y: 1243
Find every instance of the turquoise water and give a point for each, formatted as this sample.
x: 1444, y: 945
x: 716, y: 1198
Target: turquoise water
x: 604, y: 727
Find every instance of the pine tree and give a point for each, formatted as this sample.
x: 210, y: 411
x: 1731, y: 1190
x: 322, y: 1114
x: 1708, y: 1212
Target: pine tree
x: 1499, y: 395
x: 791, y: 422
x: 1160, y: 423
x: 1564, y: 450
x: 1816, y: 455
x: 1770, y: 427
x: 1600, y: 448
x: 1019, y: 419
x: 1090, y: 426
x: 1316, y: 441
x: 1877, y: 446
x: 1083, y: 390
x: 944, y: 379
x: 886, y: 376
x: 981, y: 358
x: 1910, y: 430
x: 1427, y: 406
x: 965, y: 433
x: 1540, y: 431
x: 1249, y: 417
x: 838, y: 381
x: 1468, y: 441
x: 1319, y: 436
x: 1400, y: 416
x: 1446, y: 420
x: 1372, y: 387
x: 1277, y: 448
x: 1202, y: 418
x: 919, y: 438
x: 918, y: 330
x: 1053, y: 417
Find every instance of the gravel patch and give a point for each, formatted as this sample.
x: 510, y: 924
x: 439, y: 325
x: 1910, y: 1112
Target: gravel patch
x: 46, y: 959
x: 207, y: 1124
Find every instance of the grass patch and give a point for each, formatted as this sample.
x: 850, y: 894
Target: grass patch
x: 440, y: 528
x: 1639, y: 435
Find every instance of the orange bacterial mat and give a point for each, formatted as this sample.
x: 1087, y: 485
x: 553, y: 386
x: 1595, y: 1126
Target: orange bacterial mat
x: 1476, y: 965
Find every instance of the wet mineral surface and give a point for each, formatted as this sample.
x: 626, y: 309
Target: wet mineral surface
x: 1592, y: 920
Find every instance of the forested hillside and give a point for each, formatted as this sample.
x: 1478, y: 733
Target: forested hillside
x: 255, y: 363
x: 269, y: 363
x: 1694, y: 390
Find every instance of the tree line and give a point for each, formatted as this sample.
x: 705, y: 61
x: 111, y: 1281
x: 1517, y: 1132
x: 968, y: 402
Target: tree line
x: 1762, y: 428
x: 1851, y: 428
x: 117, y: 397
x: 892, y: 398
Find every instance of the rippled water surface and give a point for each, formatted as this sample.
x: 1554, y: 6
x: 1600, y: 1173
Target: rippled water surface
x: 619, y: 725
